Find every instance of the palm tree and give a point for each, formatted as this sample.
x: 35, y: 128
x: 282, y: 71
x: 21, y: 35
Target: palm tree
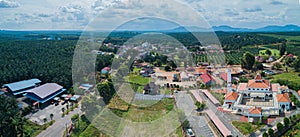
x: 63, y: 110
x: 51, y: 116
x: 45, y: 120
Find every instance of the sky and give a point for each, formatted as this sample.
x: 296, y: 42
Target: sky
x: 111, y: 14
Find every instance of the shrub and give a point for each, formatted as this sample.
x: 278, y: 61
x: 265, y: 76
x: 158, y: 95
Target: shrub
x: 270, y: 131
x: 286, y: 121
x: 265, y: 134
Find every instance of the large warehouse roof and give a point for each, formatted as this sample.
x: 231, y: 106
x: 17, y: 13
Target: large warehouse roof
x: 45, y: 90
x: 16, y: 86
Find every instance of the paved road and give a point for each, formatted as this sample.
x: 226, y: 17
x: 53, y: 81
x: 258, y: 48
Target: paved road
x: 58, y: 128
x: 198, y: 123
x: 222, y: 116
x: 150, y: 97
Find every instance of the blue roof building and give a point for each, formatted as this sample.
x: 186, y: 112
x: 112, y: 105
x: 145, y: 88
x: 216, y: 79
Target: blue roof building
x: 20, y: 87
x: 44, y: 92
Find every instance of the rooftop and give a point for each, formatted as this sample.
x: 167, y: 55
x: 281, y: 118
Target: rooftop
x: 258, y: 82
x: 255, y: 110
x: 242, y: 87
x: 206, y: 78
x: 22, y: 84
x: 232, y: 96
x: 45, y: 90
x: 283, y: 97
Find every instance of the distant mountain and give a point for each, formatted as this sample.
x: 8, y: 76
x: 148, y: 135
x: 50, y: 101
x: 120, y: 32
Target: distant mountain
x: 189, y: 29
x: 225, y: 28
x: 279, y: 28
x: 229, y: 29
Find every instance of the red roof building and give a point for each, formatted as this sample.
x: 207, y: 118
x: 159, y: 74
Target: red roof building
x: 206, y: 78
x: 232, y: 96
x: 224, y: 76
x: 255, y: 110
x: 283, y: 97
x: 258, y: 82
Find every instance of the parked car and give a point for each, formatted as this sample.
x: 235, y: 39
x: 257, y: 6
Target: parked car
x: 190, y: 132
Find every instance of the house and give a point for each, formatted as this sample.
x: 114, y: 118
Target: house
x: 230, y: 99
x: 44, y: 93
x: 105, y: 70
x: 184, y: 76
x: 151, y: 88
x: 223, y: 76
x: 206, y: 79
x: 18, y: 88
x: 284, y: 101
x: 271, y: 59
x: 291, y: 56
x: 254, y: 112
x: 85, y: 87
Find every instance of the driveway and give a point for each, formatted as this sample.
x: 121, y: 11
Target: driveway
x: 224, y: 117
x: 58, y: 128
x: 185, y: 102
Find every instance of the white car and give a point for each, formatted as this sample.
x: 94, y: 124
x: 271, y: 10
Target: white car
x: 190, y: 132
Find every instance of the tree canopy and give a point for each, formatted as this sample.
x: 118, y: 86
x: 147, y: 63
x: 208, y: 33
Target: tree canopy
x: 11, y: 120
x: 248, y: 61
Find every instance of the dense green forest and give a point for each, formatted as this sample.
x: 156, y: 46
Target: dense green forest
x: 26, y: 55
x: 49, y: 61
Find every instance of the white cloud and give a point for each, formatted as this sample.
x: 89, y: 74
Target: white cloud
x: 8, y: 4
x: 53, y: 14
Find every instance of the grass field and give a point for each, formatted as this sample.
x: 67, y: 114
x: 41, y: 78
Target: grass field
x: 218, y: 96
x: 291, y: 76
x: 274, y: 52
x: 151, y: 113
x: 138, y: 79
x: 245, y: 127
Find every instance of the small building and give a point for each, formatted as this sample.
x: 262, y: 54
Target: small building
x: 206, y: 79
x: 230, y: 99
x: 44, y: 93
x: 224, y: 76
x: 254, y: 113
x: 21, y: 87
x: 105, y: 70
x: 151, y: 89
x: 184, y: 76
x: 284, y: 102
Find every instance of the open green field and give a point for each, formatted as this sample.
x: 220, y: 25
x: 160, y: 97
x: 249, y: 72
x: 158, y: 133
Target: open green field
x: 274, y: 52
x: 138, y: 79
x: 290, y: 76
x: 245, y: 127
x: 151, y: 113
x: 290, y: 79
x: 218, y: 96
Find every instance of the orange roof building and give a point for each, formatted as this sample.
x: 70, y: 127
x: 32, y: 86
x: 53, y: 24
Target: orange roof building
x: 258, y: 92
x: 255, y: 111
x: 258, y: 82
x: 232, y: 96
x: 283, y: 97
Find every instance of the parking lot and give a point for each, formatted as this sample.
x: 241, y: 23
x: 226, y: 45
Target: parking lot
x: 40, y: 114
x: 199, y: 124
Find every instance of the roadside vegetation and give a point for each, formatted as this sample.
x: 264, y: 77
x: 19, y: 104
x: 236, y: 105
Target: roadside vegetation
x: 246, y: 127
